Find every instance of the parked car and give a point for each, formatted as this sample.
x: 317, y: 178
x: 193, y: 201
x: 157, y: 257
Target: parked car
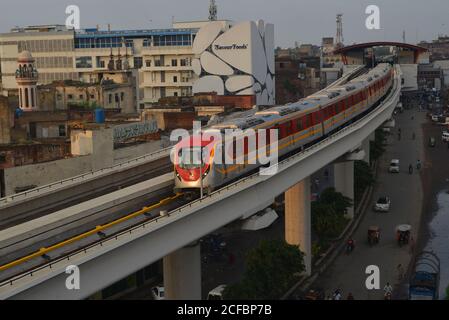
x: 394, y: 166
x: 158, y: 293
x: 382, y: 204
x: 216, y: 293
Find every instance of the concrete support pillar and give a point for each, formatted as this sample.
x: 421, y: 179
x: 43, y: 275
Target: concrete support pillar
x: 344, y: 181
x: 182, y: 273
x: 298, y: 220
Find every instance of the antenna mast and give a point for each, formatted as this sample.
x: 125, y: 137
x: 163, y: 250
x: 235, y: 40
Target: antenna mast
x: 339, y: 40
x: 212, y: 10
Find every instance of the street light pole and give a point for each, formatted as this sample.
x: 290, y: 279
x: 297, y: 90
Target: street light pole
x: 201, y: 173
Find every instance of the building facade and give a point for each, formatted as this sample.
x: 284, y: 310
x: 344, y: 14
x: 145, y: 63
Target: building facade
x: 163, y: 58
x: 236, y: 60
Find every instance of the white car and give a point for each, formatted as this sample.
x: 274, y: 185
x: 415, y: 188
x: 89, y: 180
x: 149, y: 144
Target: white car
x: 383, y: 204
x: 217, y: 293
x: 394, y: 166
x: 445, y: 136
x: 158, y: 293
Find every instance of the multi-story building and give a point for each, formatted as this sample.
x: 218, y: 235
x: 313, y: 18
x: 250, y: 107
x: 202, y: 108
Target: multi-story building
x: 162, y: 57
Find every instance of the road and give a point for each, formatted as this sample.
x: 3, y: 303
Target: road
x: 405, y: 191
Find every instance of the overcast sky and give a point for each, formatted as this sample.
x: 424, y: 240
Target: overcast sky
x: 305, y: 21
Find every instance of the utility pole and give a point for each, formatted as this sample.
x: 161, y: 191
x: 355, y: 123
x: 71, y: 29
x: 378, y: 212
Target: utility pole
x: 339, y: 40
x: 212, y: 10
x: 201, y: 172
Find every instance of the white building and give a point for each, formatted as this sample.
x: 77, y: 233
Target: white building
x: 236, y: 60
x: 162, y: 57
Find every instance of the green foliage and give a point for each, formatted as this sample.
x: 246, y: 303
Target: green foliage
x: 363, y: 178
x: 377, y: 147
x: 85, y: 105
x: 328, y: 213
x: 271, y: 269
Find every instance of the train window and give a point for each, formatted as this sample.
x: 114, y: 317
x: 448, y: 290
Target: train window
x: 309, y: 120
x: 299, y: 124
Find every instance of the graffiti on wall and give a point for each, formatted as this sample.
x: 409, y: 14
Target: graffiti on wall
x: 127, y: 131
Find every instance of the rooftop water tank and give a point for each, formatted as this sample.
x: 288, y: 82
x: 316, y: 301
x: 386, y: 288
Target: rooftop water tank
x: 99, y: 115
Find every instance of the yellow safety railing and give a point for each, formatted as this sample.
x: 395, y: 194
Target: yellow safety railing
x: 97, y: 229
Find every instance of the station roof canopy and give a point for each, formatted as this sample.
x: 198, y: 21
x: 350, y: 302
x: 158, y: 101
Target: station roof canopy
x: 358, y: 46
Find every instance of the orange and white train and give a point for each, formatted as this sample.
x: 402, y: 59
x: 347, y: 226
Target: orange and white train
x: 298, y: 124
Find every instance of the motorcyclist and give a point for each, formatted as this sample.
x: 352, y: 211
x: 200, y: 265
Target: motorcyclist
x: 388, y: 289
x: 350, y: 245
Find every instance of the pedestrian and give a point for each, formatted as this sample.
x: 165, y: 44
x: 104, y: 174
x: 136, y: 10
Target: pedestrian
x: 337, y: 294
x: 400, y: 270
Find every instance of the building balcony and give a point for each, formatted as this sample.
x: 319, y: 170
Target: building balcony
x: 170, y: 50
x: 167, y: 68
x: 158, y: 84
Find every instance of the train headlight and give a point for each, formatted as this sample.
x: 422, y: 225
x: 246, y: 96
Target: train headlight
x: 206, y: 172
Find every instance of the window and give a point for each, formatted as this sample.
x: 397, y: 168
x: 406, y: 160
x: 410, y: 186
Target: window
x: 70, y: 96
x: 183, y: 62
x: 83, y: 62
x: 157, y: 63
x: 62, y: 132
x: 175, y: 79
x: 138, y: 62
x: 81, y: 97
x: 148, y: 63
x: 92, y: 96
x: 117, y: 98
x: 175, y: 94
x: 59, y: 97
x: 299, y: 124
x: 122, y: 96
x: 174, y: 62
x: 110, y: 98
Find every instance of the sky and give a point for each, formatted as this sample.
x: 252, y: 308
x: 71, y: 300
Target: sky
x: 304, y: 21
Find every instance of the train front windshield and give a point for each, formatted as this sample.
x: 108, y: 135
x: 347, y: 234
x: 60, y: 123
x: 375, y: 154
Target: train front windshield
x: 190, y: 158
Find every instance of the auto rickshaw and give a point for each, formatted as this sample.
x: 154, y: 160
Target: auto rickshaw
x: 314, y: 295
x: 373, y: 235
x: 403, y: 234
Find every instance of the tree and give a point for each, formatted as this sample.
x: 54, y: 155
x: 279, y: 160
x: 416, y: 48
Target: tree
x: 271, y: 269
x: 377, y: 147
x: 335, y: 199
x: 364, y: 178
x: 328, y: 213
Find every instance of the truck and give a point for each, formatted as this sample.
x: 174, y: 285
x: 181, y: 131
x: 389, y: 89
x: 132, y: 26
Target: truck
x: 425, y: 278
